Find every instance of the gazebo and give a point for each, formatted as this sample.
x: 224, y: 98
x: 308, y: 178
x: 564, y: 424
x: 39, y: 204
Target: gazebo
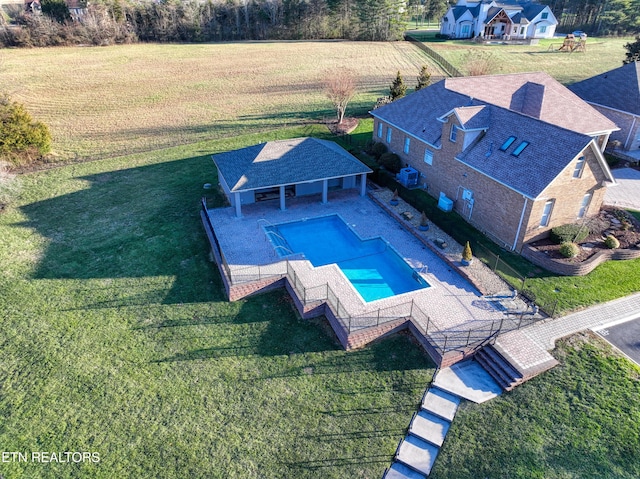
x: 287, y: 168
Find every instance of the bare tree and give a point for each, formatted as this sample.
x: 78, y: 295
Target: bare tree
x: 340, y: 87
x: 480, y: 63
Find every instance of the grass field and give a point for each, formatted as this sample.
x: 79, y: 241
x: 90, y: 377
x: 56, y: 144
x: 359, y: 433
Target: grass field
x: 577, y: 421
x: 102, y: 101
x: 116, y: 338
x: 602, y: 54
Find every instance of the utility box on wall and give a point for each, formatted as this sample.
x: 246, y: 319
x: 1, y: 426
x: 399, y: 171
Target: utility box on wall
x: 444, y: 203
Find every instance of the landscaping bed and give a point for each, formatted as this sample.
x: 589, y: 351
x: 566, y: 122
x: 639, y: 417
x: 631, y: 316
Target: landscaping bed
x: 611, y: 221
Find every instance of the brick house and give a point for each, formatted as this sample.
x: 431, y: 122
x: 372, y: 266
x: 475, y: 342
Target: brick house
x: 515, y: 154
x: 616, y: 94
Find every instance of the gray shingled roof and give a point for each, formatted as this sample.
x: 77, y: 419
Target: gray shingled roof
x: 473, y: 117
x: 619, y: 88
x: 549, y: 151
x: 418, y: 113
x: 551, y: 146
x: 285, y: 162
x: 515, y: 91
x: 531, y: 10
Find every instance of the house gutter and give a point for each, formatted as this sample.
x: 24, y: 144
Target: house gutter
x: 524, y: 207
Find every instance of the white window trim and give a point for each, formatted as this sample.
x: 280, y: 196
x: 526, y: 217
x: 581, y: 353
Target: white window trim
x: 428, y: 154
x: 453, y: 134
x: 545, y: 219
x: 577, y: 172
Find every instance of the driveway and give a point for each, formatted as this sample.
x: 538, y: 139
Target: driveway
x: 625, y: 337
x: 626, y: 194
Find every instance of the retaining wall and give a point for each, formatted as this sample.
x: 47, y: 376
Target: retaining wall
x: 577, y: 269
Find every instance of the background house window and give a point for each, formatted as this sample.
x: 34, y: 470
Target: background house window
x: 407, y: 142
x: 454, y: 133
x: 428, y: 157
x: 584, y: 206
x: 379, y: 130
x: 544, y: 16
x: 546, y: 213
x: 388, y: 134
x: 577, y: 172
x: 543, y: 29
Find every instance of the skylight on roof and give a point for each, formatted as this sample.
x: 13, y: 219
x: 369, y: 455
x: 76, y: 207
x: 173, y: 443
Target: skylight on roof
x: 520, y: 148
x: 507, y: 143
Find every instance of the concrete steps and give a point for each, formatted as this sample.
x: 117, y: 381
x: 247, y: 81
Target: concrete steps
x: 417, y: 452
x: 429, y: 428
x: 440, y: 403
x: 400, y: 471
x: 499, y: 368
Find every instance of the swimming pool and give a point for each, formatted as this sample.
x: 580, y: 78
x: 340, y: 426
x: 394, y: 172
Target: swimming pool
x: 372, y: 266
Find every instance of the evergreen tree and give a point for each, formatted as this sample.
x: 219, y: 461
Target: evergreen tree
x: 398, y: 89
x: 56, y: 10
x: 424, y: 78
x: 633, y: 51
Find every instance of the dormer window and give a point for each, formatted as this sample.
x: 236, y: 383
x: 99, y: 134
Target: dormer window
x: 520, y: 148
x: 507, y: 143
x: 454, y: 133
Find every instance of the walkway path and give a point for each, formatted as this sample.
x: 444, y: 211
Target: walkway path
x: 546, y: 333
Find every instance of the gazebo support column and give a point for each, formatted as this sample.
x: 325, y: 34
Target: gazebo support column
x: 283, y: 205
x: 238, y: 205
x: 363, y: 184
x: 325, y: 190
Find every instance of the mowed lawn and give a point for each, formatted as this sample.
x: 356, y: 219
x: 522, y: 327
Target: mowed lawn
x: 102, y: 101
x: 578, y: 421
x: 602, y: 54
x: 117, y: 339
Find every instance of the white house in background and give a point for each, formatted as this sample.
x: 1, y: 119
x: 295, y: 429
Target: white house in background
x: 505, y: 20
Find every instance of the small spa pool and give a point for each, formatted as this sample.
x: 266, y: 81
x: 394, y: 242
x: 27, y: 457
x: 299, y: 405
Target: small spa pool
x: 372, y: 266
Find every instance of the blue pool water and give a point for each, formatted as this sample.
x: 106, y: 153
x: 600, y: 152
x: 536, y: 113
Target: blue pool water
x: 372, y: 266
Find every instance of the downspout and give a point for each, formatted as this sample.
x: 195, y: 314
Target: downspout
x: 626, y: 143
x: 524, y: 207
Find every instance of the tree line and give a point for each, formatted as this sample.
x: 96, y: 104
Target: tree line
x: 117, y: 21
x: 597, y: 17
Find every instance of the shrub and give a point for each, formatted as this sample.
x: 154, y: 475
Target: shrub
x: 611, y: 242
x: 378, y: 149
x: 569, y: 249
x: 23, y: 140
x: 391, y: 162
x: 571, y: 233
x: 466, y: 253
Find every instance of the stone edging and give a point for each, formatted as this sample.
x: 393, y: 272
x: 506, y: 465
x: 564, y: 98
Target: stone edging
x: 567, y: 269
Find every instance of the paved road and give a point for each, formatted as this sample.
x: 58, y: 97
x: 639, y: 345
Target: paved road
x: 626, y: 337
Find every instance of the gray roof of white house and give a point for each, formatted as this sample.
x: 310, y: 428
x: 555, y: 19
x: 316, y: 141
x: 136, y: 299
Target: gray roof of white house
x: 551, y: 146
x: 619, y: 88
x: 286, y: 162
